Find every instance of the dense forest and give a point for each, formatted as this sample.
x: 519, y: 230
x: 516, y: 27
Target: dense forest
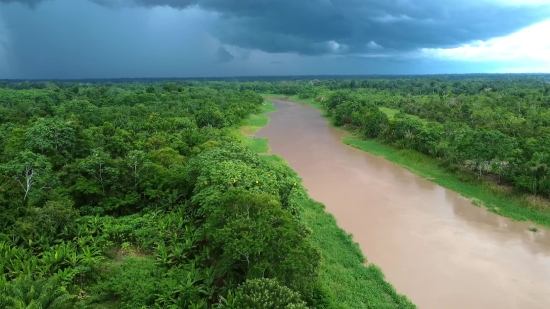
x: 142, y: 193
x: 88, y: 173
x: 145, y: 196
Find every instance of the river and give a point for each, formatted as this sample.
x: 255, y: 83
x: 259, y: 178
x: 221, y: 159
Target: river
x: 432, y: 244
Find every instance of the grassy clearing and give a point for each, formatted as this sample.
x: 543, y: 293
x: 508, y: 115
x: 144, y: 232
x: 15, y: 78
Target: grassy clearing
x: 343, y: 271
x: 273, y: 158
x: 260, y: 120
x: 258, y: 145
x: 252, y: 125
x: 390, y: 112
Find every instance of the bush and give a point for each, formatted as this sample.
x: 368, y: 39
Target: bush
x: 266, y: 294
x: 134, y: 282
x: 24, y: 292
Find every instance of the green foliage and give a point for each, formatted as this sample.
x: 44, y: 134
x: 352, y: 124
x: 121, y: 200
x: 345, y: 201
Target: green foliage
x: 258, y: 145
x: 489, y: 131
x: 234, y: 166
x: 129, y: 196
x: 374, y: 123
x: 25, y: 292
x: 32, y: 173
x: 250, y: 233
x: 135, y: 282
x: 50, y: 136
x: 344, y: 280
x: 145, y: 194
x: 265, y: 294
x: 53, y: 219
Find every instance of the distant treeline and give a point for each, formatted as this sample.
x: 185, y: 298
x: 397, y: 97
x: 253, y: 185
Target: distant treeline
x: 495, y: 127
x: 41, y: 83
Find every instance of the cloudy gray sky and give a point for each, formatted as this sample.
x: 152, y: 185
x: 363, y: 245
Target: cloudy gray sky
x: 46, y: 39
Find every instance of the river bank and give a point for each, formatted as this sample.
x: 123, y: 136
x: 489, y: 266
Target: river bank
x: 432, y: 244
x: 497, y: 198
x: 345, y: 273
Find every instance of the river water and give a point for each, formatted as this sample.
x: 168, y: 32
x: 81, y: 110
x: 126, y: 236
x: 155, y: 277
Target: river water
x: 432, y: 244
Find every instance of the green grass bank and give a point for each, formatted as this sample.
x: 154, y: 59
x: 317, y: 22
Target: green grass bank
x: 497, y: 198
x: 343, y: 271
x: 252, y: 125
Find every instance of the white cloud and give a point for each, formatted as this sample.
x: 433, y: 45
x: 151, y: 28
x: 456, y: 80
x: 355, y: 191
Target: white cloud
x: 520, y: 2
x: 336, y: 47
x: 529, y: 45
x: 388, y: 18
x: 373, y: 45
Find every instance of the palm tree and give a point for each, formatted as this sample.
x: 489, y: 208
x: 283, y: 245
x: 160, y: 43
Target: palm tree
x: 26, y: 293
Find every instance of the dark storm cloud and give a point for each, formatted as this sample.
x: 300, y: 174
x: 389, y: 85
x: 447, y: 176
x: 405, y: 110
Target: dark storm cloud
x: 314, y: 27
x: 31, y: 3
x: 222, y: 55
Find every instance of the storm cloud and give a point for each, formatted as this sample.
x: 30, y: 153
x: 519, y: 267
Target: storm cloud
x: 316, y: 27
x: 84, y: 38
x: 222, y: 55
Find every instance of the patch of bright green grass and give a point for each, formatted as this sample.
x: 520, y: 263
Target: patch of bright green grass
x: 260, y: 120
x: 533, y: 229
x: 252, y: 124
x: 484, y: 192
x: 258, y: 145
x: 390, y: 112
x: 273, y: 158
x: 343, y: 271
x: 257, y: 121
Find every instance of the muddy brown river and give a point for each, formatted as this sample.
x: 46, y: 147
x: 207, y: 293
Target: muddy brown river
x: 432, y: 244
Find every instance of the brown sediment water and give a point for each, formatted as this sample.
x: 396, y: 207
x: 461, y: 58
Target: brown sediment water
x: 432, y: 244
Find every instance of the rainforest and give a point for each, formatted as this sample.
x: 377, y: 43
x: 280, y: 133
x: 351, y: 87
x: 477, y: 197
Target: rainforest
x: 155, y: 193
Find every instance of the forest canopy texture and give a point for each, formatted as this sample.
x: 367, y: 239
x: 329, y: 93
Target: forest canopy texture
x: 142, y: 193
x: 144, y: 196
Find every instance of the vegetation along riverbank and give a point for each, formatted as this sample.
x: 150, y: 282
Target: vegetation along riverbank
x: 343, y: 273
x: 487, y: 139
x: 146, y: 195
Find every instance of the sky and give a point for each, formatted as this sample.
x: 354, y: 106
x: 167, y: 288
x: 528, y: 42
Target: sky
x: 65, y: 39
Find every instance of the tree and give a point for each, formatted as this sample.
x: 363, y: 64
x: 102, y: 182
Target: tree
x: 253, y: 237
x: 99, y: 166
x: 137, y: 163
x: 32, y: 172
x: 49, y: 220
x: 264, y: 294
x: 374, y: 122
x: 50, y: 136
